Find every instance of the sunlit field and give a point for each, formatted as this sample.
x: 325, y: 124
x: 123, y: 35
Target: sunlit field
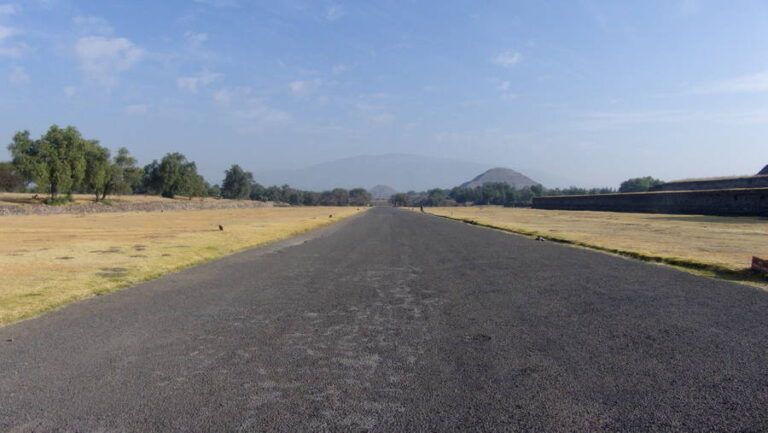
x: 726, y: 243
x: 49, y: 260
x: 27, y: 198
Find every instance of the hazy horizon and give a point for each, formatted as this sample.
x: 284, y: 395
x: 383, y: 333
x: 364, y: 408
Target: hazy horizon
x: 590, y: 91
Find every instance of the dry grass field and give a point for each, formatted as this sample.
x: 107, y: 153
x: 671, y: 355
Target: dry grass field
x: 27, y: 198
x: 49, y: 260
x: 708, y: 244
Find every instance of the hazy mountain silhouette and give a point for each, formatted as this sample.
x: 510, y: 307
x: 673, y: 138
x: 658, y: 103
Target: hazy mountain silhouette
x: 402, y: 172
x: 500, y: 174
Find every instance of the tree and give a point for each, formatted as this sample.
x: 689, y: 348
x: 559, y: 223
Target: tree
x: 10, y: 178
x: 98, y: 170
x: 639, y: 184
x: 360, y: 197
x: 56, y: 162
x: 274, y: 194
x: 125, y: 174
x: 436, y: 197
x: 258, y: 192
x: 335, y: 197
x: 399, y: 199
x: 311, y: 198
x: 237, y: 183
x: 173, y: 176
x: 214, y: 191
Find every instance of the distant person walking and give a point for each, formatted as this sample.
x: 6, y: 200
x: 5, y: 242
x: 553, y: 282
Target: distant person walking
x: 421, y: 206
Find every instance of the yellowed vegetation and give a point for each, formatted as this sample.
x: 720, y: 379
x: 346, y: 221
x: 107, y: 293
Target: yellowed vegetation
x: 27, y: 198
x: 698, y: 241
x: 49, y: 260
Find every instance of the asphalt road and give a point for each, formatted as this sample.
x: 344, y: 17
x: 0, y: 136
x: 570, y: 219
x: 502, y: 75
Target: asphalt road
x: 394, y: 321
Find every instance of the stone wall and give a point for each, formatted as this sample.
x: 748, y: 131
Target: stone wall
x: 724, y: 183
x: 728, y: 202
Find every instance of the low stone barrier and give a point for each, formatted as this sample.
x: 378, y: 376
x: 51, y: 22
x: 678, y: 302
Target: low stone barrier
x: 725, y: 202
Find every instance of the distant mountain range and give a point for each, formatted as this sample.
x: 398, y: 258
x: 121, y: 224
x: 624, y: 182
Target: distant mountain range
x: 505, y: 175
x: 399, y: 171
x: 402, y: 172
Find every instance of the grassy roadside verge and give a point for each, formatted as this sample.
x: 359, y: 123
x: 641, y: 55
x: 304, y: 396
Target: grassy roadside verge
x: 47, y: 261
x: 729, y: 271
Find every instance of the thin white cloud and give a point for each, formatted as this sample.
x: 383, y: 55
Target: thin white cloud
x: 602, y: 120
x: 18, y: 75
x: 195, y: 39
x: 504, y: 86
x: 222, y: 97
x: 136, y: 109
x: 334, y: 12
x: 374, y: 113
x: 304, y: 88
x: 8, y: 8
x: 93, y: 25
x: 193, y: 84
x: 257, y: 116
x: 339, y: 69
x: 508, y: 96
x: 507, y: 59
x: 9, y: 46
x: 753, y: 83
x: 102, y: 59
x: 69, y: 91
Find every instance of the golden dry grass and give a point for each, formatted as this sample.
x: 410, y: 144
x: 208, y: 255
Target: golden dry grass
x: 726, y: 243
x: 27, y: 198
x: 49, y: 260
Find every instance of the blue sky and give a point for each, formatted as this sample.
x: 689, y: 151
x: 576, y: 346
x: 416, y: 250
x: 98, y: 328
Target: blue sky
x: 594, y: 91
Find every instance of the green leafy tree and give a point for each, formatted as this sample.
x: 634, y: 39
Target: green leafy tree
x: 10, y: 178
x: 173, y: 176
x: 436, y: 197
x: 359, y: 197
x: 125, y: 175
x: 258, y: 192
x: 335, y: 197
x: 237, y: 183
x: 311, y: 198
x: 98, y: 170
x: 400, y: 199
x: 274, y: 194
x: 639, y: 184
x: 56, y: 162
x: 214, y: 191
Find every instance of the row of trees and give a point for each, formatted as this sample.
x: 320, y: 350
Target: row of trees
x: 239, y: 184
x: 491, y: 193
x: 503, y: 194
x: 62, y: 162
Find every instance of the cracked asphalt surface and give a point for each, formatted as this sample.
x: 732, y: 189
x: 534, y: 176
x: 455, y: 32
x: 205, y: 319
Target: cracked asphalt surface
x: 393, y: 321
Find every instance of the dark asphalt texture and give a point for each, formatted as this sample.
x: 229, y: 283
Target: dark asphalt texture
x: 393, y: 321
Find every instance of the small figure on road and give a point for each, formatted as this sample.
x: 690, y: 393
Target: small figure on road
x: 421, y: 206
x: 221, y: 227
x: 330, y: 216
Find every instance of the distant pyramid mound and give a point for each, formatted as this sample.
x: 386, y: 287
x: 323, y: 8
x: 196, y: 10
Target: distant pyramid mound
x: 505, y: 175
x: 382, y: 192
x: 764, y: 171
